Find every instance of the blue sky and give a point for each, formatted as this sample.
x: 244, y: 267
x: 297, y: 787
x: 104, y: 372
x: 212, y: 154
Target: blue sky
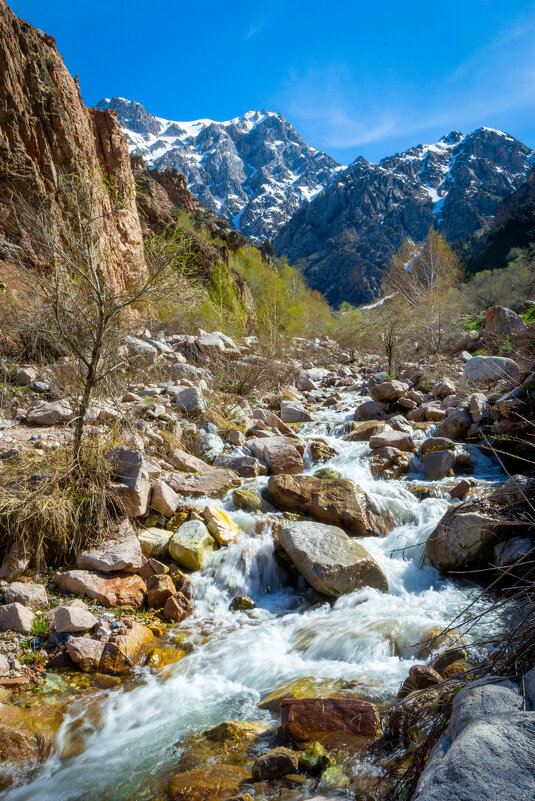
x: 355, y: 78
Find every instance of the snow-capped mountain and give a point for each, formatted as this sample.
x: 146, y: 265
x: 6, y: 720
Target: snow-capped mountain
x: 344, y: 238
x: 256, y: 170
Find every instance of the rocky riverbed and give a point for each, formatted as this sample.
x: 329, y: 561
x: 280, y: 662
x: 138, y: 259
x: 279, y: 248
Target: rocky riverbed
x: 275, y: 586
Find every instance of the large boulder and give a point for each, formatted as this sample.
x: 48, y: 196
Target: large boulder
x: 487, y: 749
x: 481, y: 369
x: 456, y: 425
x: 27, y: 594
x: 361, y: 432
x: 214, y: 483
x: 50, y: 413
x: 333, y: 563
x: 109, y: 589
x: 117, y: 555
x: 437, y: 464
x: 16, y: 617
x: 293, y: 413
x: 139, y: 352
x: 190, y: 544
x: 336, y: 501
x: 371, y: 410
x: 387, y: 391
x: 333, y: 722
x: 392, y: 439
x: 461, y: 540
x: 500, y: 321
x: 186, y: 462
x: 282, y: 454
x: 190, y: 399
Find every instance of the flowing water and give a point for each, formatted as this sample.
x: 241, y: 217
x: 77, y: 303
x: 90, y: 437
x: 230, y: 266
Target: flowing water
x: 366, y: 637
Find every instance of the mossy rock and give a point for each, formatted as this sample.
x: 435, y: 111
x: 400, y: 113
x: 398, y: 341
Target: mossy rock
x: 327, y: 472
x: 315, y: 758
x: 241, y: 603
x: 164, y: 655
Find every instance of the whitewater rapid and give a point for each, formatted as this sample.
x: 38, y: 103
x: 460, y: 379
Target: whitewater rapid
x: 366, y: 637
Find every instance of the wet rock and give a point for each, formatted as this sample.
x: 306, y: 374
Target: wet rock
x: 120, y: 555
x: 190, y: 544
x: 460, y: 489
x: 27, y: 594
x: 327, y: 472
x: 18, y: 746
x: 85, y: 653
x: 371, y: 410
x: 250, y: 502
x: 331, y: 562
x: 163, y: 499
x: 16, y: 617
x: 221, y: 527
x: 314, y: 759
x: 362, y: 432
x: 437, y: 464
x: 274, y: 764
x: 321, y: 451
x: 15, y: 562
x: 390, y: 463
x: 481, y: 369
x: 160, y: 587
x: 388, y: 391
x: 456, y: 425
x: 333, y: 722
x: 71, y: 619
x: 461, y: 539
x: 436, y: 444
x: 241, y: 603
x: 50, y: 413
x: 335, y: 501
x: 107, y: 588
x: 214, y: 783
x: 420, y: 678
x: 154, y: 542
x: 392, y: 439
x: 213, y: 484
x: 190, y: 399
x: 122, y: 652
x: 177, y: 607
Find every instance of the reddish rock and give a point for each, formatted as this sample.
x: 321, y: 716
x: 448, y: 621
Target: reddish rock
x: 215, y: 783
x: 334, y: 722
x: 111, y: 589
x: 420, y: 678
x: 124, y: 651
x: 160, y: 587
x: 177, y: 607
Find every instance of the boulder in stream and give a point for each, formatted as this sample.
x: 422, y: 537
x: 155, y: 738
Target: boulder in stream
x: 461, y: 540
x: 331, y: 562
x: 333, y: 722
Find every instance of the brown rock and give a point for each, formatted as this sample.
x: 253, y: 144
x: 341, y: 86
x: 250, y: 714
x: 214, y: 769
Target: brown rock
x: 333, y: 722
x: 112, y: 589
x: 420, y: 678
x: 187, y: 463
x: 392, y: 439
x: 160, y: 587
x: 15, y: 562
x: 177, y: 607
x: 321, y: 451
x: 124, y: 651
x: 387, y: 391
x: 274, y: 764
x: 86, y: 653
x: 214, y: 483
x: 18, y: 746
x: 215, y: 783
x: 436, y: 444
x: 363, y: 431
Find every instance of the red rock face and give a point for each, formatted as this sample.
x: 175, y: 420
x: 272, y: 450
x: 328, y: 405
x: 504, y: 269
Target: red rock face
x: 46, y: 132
x: 334, y: 722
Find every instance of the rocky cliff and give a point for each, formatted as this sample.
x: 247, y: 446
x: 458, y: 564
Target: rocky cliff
x: 256, y: 169
x: 46, y: 131
x: 344, y: 238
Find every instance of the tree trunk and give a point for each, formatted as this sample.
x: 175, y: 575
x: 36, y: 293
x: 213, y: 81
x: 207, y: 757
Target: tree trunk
x: 89, y: 384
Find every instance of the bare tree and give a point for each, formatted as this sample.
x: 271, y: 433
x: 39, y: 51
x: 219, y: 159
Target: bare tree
x: 79, y: 305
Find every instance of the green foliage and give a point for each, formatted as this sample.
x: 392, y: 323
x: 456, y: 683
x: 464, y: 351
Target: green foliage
x: 504, y: 286
x: 40, y: 627
x: 268, y: 248
x: 529, y: 315
x: 476, y: 323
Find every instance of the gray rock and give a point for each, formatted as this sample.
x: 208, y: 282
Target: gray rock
x: 371, y: 410
x: 456, y: 425
x: 509, y: 552
x: 481, y: 369
x: 190, y: 399
x: 133, y: 481
x: 244, y: 466
x: 4, y: 665
x: 27, y: 594
x: 139, y: 351
x: 392, y: 439
x: 437, y: 464
x: 209, y: 446
x: 460, y: 540
x: 113, y: 555
x: 292, y: 413
x: 50, y: 413
x: 69, y: 619
x: 180, y: 370
x: 331, y: 562
x: 16, y: 617
x: 86, y: 653
x: 487, y: 750
x: 163, y: 499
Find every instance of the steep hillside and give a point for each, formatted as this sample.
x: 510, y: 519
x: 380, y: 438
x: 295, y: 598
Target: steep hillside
x: 46, y: 131
x: 343, y: 239
x: 256, y: 170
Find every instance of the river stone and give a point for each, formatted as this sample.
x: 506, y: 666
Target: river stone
x: 163, y: 499
x: 190, y: 544
x: 16, y: 617
x: 420, y: 678
x: 213, y: 783
x: 250, y: 501
x: 371, y: 410
x: 214, y: 483
x: 274, y: 764
x: 27, y: 594
x: 456, y: 425
x: 390, y: 463
x: 392, y: 439
x: 154, y: 542
x: 113, y: 555
x: 73, y: 619
x: 481, y: 369
x: 333, y: 722
x: 244, y: 466
x: 461, y: 539
x: 332, y: 563
x: 221, y: 527
x: 361, y: 432
x: 388, y: 390
x: 160, y: 587
x: 329, y: 500
x: 123, y: 651
x: 177, y: 607
x: 437, y: 464
x: 18, y: 745
x: 293, y: 413
x: 436, y: 444
x: 209, y: 446
x: 486, y: 751
x: 109, y: 589
x: 283, y: 454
